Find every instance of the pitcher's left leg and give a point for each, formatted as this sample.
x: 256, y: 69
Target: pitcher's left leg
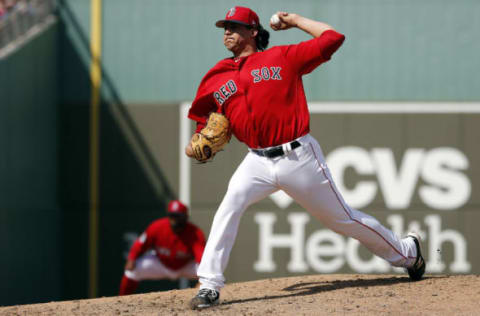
x: 251, y: 182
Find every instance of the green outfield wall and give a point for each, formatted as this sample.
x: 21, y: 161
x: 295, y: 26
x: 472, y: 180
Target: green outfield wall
x: 30, y: 217
x: 421, y: 167
x: 421, y: 50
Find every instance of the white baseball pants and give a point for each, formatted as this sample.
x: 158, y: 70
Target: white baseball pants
x: 302, y: 173
x: 149, y: 267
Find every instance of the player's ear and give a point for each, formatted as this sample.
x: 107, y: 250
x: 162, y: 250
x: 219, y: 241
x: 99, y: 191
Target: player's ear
x: 253, y: 32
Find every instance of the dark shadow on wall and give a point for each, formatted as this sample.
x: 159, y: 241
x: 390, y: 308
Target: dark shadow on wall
x: 128, y: 201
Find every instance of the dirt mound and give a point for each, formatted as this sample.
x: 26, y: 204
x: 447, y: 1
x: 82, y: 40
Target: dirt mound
x: 306, y: 295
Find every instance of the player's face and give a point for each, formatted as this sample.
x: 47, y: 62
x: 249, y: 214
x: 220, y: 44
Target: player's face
x: 177, y: 222
x: 237, y: 36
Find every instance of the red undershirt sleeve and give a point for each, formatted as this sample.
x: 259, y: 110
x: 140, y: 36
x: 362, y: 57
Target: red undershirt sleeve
x: 142, y: 244
x: 308, y: 55
x: 200, y: 109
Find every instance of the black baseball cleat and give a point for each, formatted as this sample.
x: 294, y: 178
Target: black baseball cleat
x: 205, y: 298
x: 418, y: 269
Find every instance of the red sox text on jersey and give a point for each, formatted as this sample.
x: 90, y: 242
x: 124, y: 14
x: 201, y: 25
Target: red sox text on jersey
x: 262, y: 94
x: 230, y: 88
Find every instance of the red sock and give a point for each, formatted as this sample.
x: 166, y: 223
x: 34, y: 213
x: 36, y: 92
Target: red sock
x: 127, y: 286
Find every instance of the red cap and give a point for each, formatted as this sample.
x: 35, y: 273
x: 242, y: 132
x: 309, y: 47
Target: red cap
x: 240, y: 15
x: 176, y: 207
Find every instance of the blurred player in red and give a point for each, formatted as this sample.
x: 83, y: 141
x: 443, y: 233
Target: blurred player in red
x: 170, y: 248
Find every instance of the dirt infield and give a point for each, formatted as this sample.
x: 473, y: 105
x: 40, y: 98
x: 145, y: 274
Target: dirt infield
x: 308, y: 295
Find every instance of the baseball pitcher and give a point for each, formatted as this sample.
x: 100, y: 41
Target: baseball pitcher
x: 260, y: 93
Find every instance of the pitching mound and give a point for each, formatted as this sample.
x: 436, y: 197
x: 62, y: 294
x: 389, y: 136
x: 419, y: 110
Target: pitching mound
x: 308, y: 295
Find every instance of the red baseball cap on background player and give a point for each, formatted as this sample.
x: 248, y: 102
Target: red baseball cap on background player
x: 177, y: 214
x: 175, y: 207
x: 240, y: 15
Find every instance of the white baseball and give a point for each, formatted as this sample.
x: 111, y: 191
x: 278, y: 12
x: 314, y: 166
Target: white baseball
x: 275, y: 20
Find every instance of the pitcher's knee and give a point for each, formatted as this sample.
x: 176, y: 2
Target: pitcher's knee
x: 237, y: 199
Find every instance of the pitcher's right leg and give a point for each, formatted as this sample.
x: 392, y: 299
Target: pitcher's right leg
x: 311, y: 185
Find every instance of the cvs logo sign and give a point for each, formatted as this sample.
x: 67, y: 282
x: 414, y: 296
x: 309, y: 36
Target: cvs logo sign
x: 439, y: 173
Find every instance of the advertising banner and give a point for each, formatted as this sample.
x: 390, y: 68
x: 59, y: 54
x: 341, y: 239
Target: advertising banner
x: 410, y: 165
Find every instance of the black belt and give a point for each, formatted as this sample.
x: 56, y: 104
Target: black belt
x: 275, y: 151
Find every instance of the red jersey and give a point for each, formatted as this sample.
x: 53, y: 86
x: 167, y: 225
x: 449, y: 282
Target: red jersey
x: 262, y: 94
x: 173, y: 250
